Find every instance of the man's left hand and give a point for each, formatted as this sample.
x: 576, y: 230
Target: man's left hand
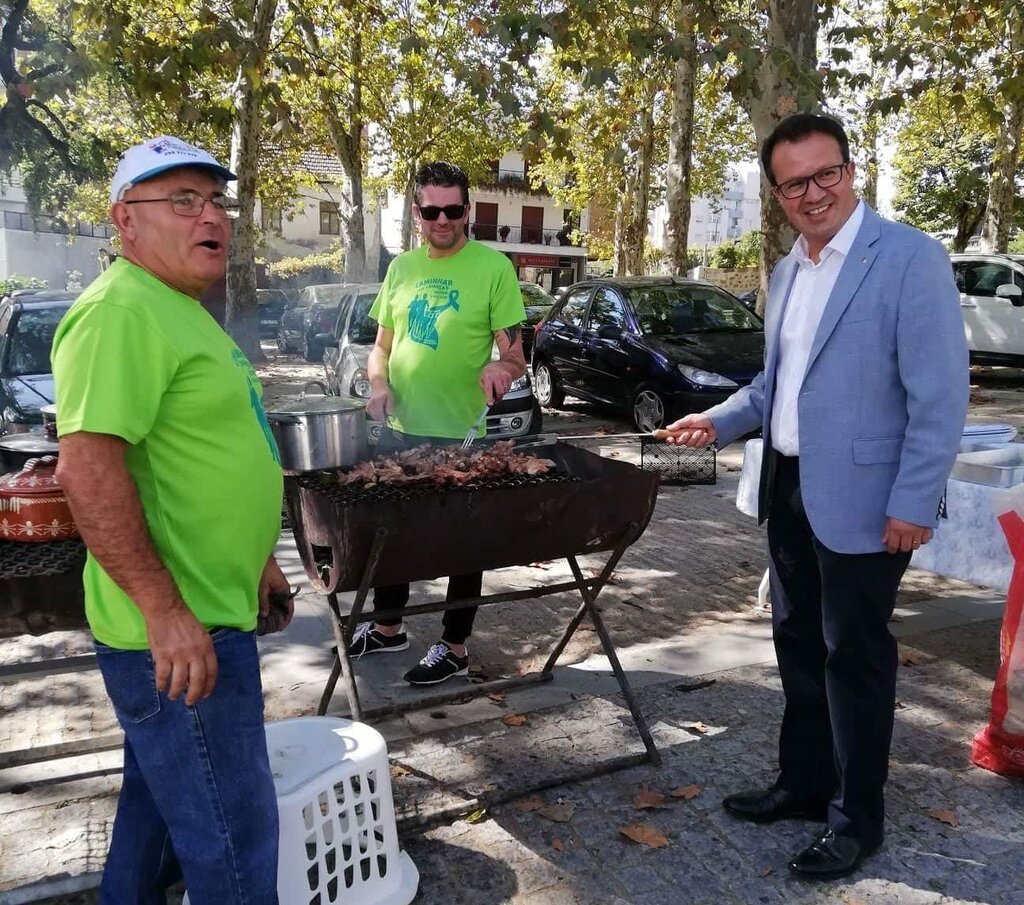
x: 495, y: 380
x: 903, y: 536
x: 276, y: 614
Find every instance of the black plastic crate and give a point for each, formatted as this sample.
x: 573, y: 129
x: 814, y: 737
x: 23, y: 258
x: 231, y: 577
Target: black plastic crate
x: 679, y: 464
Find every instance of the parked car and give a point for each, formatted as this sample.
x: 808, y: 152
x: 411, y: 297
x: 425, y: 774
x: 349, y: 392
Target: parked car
x: 313, y: 311
x: 27, y: 325
x: 749, y: 299
x: 992, y: 302
x: 347, y: 351
x: 655, y: 347
x: 538, y: 302
x: 270, y: 305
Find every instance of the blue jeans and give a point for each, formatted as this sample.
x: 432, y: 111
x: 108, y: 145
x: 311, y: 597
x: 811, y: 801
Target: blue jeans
x: 197, y: 799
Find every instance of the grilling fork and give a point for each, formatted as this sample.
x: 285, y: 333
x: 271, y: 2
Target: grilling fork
x: 471, y: 433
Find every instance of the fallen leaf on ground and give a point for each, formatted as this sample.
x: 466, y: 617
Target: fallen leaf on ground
x: 477, y: 816
x: 644, y: 834
x: 697, y: 727
x: 647, y: 797
x: 687, y: 793
x: 560, y: 813
x: 530, y: 803
x: 540, y: 565
x: 900, y: 705
x: 398, y: 771
x: 558, y: 845
x: 514, y: 719
x: 497, y: 696
x: 910, y: 658
x: 587, y: 627
x: 944, y: 816
x: 766, y: 872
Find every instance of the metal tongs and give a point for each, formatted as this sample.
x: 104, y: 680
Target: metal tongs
x: 545, y: 439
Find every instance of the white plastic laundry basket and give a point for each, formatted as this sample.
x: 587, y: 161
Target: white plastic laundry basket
x: 338, y: 838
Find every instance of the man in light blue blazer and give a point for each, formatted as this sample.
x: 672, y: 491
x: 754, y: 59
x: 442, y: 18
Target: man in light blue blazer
x: 861, y: 405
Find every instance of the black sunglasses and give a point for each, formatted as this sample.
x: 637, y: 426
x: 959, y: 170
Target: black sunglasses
x: 451, y: 211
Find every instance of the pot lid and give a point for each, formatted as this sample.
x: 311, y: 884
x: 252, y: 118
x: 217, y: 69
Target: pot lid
x: 35, y: 478
x: 310, y: 405
x: 32, y: 444
x: 50, y: 409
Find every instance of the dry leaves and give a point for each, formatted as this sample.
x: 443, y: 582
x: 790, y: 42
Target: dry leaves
x: 559, y: 813
x: 498, y: 697
x: 647, y: 797
x: 944, y: 816
x: 530, y: 803
x: 644, y: 834
x: 514, y: 719
x: 687, y: 793
x: 558, y: 845
x: 477, y: 816
x: 398, y: 771
x: 697, y: 727
x: 910, y: 658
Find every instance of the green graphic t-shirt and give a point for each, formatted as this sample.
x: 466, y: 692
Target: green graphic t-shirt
x: 139, y: 360
x: 445, y: 312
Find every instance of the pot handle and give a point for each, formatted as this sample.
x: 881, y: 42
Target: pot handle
x: 32, y: 464
x: 320, y: 386
x: 284, y: 418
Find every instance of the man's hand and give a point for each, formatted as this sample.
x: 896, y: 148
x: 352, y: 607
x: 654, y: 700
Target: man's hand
x: 903, y: 536
x: 183, y: 655
x: 693, y: 430
x: 277, y: 602
x: 495, y: 380
x: 382, y: 401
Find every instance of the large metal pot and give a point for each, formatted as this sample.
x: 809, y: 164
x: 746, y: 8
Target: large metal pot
x: 318, y: 432
x: 17, y: 449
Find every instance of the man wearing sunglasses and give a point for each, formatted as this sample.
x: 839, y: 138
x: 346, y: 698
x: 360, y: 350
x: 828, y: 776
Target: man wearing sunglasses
x: 861, y: 405
x: 175, y: 485
x: 441, y: 310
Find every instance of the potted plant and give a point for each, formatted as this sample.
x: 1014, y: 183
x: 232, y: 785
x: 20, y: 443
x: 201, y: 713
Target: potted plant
x: 503, y: 232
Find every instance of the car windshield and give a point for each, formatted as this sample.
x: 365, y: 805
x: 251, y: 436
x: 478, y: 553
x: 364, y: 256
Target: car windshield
x: 28, y: 347
x: 362, y: 329
x: 270, y: 297
x: 535, y: 295
x: 664, y: 310
x: 329, y: 296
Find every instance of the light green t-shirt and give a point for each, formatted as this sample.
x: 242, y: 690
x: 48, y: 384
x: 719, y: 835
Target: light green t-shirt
x: 139, y: 360
x: 445, y: 312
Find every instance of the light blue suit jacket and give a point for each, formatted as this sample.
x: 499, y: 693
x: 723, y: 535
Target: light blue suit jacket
x: 884, y: 398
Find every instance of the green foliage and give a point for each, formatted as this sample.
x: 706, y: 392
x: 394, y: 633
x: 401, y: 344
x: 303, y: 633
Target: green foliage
x: 14, y: 282
x: 724, y: 256
x: 332, y: 259
x: 748, y: 248
x: 1016, y: 245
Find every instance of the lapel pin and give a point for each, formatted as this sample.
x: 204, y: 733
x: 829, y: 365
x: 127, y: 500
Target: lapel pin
x: 863, y: 260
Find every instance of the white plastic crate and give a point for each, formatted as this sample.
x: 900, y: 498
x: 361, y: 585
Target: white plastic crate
x: 338, y: 838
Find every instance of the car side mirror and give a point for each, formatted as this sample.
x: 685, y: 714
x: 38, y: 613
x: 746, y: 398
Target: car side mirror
x: 1014, y: 293
x: 326, y: 340
x: 609, y: 332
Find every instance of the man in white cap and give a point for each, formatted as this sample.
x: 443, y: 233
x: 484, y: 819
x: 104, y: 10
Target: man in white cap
x: 175, y: 484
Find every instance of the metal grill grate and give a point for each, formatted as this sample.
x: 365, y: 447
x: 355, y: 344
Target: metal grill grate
x: 351, y: 494
x: 22, y: 560
x: 678, y: 464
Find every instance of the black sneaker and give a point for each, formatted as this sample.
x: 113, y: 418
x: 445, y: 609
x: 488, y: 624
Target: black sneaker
x: 439, y: 664
x: 367, y: 640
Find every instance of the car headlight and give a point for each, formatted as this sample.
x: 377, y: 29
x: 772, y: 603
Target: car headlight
x: 520, y: 383
x: 361, y: 384
x: 704, y: 378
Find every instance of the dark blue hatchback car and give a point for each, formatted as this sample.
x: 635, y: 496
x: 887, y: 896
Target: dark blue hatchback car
x: 655, y: 347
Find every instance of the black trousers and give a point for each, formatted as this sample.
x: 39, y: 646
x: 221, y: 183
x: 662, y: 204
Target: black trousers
x: 457, y: 624
x: 838, y: 662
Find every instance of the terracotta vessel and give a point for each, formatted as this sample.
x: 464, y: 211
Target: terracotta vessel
x: 33, y: 506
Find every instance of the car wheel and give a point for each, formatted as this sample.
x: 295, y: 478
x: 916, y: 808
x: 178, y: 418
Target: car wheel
x: 282, y: 346
x: 311, y: 351
x: 546, y: 387
x: 648, y: 410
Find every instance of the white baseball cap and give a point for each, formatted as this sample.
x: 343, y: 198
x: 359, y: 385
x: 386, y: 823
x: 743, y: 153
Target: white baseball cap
x: 156, y: 156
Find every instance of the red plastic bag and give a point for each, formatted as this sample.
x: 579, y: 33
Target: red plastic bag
x: 1000, y: 745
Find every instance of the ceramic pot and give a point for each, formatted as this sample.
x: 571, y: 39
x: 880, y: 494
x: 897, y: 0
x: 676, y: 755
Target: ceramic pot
x: 33, y: 507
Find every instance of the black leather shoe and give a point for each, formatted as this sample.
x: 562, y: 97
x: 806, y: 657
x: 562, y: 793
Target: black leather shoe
x: 830, y: 857
x: 769, y: 805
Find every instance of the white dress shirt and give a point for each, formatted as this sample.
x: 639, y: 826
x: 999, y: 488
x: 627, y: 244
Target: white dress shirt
x: 812, y: 287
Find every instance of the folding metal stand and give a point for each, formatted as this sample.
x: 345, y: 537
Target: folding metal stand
x: 588, y: 589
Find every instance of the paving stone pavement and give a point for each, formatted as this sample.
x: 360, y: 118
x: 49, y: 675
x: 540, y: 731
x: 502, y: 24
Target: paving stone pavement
x: 693, y: 575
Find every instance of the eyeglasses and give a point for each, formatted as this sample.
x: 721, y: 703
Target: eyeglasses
x: 191, y: 204
x: 451, y: 211
x: 824, y: 179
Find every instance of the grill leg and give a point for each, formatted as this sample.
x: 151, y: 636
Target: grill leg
x: 342, y: 666
x: 613, y: 659
x: 574, y: 623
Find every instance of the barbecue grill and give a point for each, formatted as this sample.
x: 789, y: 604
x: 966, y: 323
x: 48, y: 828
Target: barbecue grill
x: 41, y: 587
x: 353, y: 538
